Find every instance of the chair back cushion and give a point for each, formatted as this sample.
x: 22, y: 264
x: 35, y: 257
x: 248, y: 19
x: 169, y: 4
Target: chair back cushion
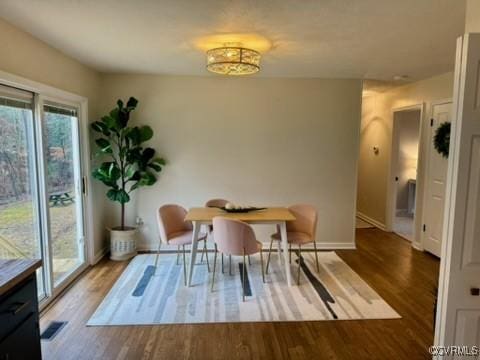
x: 171, y: 220
x: 306, y: 220
x: 234, y: 237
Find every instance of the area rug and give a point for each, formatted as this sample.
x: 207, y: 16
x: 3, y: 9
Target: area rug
x: 144, y: 295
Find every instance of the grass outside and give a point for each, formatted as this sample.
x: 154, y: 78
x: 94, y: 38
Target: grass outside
x: 18, y: 227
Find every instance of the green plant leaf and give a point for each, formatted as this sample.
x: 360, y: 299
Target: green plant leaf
x: 147, y: 178
x: 134, y: 135
x: 144, y: 158
x: 134, y: 186
x: 114, y: 172
x: 147, y: 154
x: 109, y: 122
x: 100, y: 127
x: 146, y: 133
x: 123, y: 117
x: 134, y: 154
x: 118, y: 195
x: 159, y: 161
x: 119, y: 103
x: 156, y: 164
x: 106, y: 175
x: 155, y: 167
x: 136, y: 176
x: 130, y: 172
x: 104, y: 145
x: 132, y: 103
x: 114, y: 114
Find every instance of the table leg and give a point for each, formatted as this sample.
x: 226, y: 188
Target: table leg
x: 283, y: 234
x: 193, y: 252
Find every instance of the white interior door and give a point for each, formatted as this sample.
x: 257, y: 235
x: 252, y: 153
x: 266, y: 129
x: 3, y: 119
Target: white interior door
x: 459, y: 302
x: 436, y: 179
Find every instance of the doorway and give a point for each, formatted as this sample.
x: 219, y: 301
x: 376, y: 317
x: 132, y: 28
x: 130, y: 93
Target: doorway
x: 405, y: 153
x: 41, y: 192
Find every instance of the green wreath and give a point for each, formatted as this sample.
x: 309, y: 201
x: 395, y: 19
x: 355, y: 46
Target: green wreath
x: 441, y: 141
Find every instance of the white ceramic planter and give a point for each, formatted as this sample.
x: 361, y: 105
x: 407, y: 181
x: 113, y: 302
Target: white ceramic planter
x: 123, y: 243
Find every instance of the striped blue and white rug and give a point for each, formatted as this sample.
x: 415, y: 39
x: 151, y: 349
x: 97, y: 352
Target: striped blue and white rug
x: 144, y: 297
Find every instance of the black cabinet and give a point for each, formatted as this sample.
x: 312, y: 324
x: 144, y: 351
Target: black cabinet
x: 19, y: 328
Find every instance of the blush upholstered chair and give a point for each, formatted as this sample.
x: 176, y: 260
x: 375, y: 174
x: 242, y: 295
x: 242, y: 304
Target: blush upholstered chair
x: 218, y: 203
x: 174, y: 230
x: 301, y: 231
x: 234, y: 237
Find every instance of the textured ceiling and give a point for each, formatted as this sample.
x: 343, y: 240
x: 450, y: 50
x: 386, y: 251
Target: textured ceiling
x: 374, y: 39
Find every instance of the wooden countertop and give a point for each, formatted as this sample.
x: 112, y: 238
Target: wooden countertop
x: 13, y: 271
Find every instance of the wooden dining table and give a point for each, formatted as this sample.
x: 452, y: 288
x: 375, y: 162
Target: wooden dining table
x: 270, y: 216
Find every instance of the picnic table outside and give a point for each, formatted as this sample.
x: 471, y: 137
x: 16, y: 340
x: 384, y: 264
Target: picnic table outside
x: 61, y: 198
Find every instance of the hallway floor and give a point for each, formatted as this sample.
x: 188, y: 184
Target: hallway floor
x: 403, y: 226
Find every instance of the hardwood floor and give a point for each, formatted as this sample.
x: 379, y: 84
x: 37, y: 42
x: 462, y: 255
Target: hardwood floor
x: 405, y: 278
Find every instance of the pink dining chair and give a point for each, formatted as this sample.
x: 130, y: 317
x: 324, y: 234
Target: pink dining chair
x: 174, y: 230
x: 218, y: 203
x: 234, y: 237
x: 301, y: 231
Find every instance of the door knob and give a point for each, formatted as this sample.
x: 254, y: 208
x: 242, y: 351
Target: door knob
x: 474, y: 291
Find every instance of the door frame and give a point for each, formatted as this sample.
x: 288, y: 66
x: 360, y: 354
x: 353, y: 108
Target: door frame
x: 392, y: 184
x: 427, y: 163
x: 455, y: 216
x: 55, y: 290
x: 47, y: 92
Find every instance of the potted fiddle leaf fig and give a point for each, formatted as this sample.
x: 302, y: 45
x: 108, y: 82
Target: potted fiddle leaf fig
x: 127, y: 165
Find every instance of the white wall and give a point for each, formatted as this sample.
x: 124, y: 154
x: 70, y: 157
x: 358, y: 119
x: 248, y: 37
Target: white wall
x: 28, y: 57
x: 376, y: 130
x: 255, y: 141
x: 472, y: 18
x: 408, y: 128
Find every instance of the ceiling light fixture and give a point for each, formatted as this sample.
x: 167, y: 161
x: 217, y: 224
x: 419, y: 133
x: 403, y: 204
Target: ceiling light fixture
x: 401, y: 78
x: 233, y: 60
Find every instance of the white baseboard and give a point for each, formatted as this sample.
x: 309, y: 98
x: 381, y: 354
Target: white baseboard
x: 371, y: 221
x: 99, y: 255
x: 334, y: 246
x: 417, y: 246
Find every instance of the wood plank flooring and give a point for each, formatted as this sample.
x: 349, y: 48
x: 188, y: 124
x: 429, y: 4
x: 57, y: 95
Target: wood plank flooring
x: 405, y: 278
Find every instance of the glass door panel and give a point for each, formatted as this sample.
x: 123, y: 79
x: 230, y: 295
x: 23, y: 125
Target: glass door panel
x: 20, y: 234
x: 64, y: 190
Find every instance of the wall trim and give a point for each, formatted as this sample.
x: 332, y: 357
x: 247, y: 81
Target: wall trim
x: 372, y: 221
x: 334, y: 246
x: 417, y: 246
x: 99, y: 256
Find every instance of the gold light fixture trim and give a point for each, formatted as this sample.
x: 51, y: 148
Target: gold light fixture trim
x: 233, y: 60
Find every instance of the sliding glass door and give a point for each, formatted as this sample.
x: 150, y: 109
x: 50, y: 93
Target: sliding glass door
x: 20, y: 228
x: 64, y: 189
x: 41, y: 192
